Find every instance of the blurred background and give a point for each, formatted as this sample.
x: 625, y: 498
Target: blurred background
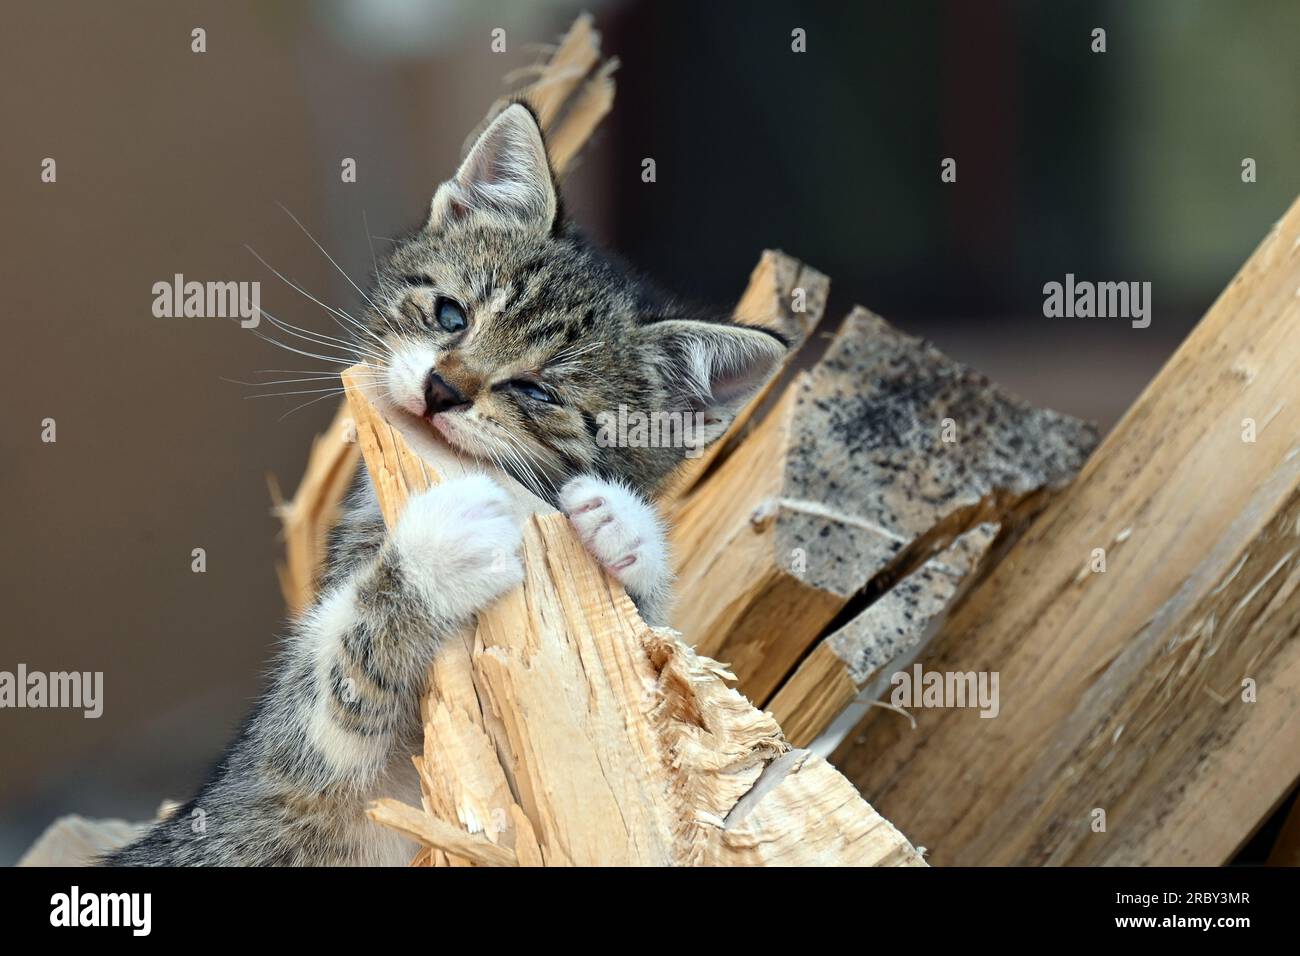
x: 1122, y: 166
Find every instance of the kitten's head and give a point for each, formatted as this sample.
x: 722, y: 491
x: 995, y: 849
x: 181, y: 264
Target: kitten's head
x: 519, y: 343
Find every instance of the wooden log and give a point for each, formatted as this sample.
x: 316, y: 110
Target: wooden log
x: 789, y: 297
x: 1162, y: 690
x: 460, y: 776
x: 863, y: 470
x: 74, y: 840
x: 851, y: 661
x: 307, y: 519
x: 570, y: 93
x: 565, y: 731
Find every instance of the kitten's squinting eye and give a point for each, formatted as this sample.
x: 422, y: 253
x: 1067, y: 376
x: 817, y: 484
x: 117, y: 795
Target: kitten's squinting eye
x: 534, y: 391
x: 450, y: 316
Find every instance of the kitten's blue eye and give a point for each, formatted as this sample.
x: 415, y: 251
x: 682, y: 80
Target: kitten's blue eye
x: 533, y: 391
x: 450, y: 316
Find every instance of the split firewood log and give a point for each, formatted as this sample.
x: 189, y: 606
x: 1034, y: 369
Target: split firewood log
x: 562, y: 730
x: 821, y: 550
x: 1144, y: 628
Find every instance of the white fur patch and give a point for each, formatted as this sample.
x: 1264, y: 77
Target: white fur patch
x: 459, y: 543
x: 622, y: 531
x: 407, y: 371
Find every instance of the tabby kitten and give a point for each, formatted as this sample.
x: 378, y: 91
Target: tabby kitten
x: 509, y: 336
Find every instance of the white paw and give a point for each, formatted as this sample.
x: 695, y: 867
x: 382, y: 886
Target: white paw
x: 622, y: 531
x: 459, y: 544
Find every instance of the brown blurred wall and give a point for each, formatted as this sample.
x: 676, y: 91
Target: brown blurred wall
x: 169, y: 161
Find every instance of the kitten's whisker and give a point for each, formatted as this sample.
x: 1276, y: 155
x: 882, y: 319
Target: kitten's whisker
x: 335, y: 313
x: 365, y: 224
x: 335, y: 389
x: 317, y: 338
x: 302, y: 406
x: 527, y: 461
x: 306, y: 391
x: 522, y: 471
x: 520, y: 454
x: 330, y: 258
x: 571, y: 352
x: 352, y: 320
x: 541, y: 450
x: 519, y: 470
x: 310, y: 371
x: 334, y: 359
x: 499, y: 464
x: 351, y: 343
x: 282, y: 381
x: 289, y: 348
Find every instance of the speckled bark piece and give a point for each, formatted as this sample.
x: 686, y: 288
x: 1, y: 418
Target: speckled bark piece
x: 898, y: 621
x: 869, y: 473
x: 858, y: 658
x: 845, y: 488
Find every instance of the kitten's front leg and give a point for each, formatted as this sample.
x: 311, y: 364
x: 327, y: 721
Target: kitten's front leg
x: 459, y: 545
x: 625, y: 534
x: 453, y: 551
x: 343, y: 701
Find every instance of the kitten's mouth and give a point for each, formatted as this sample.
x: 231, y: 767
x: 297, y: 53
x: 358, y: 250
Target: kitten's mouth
x: 439, y: 420
x: 446, y: 426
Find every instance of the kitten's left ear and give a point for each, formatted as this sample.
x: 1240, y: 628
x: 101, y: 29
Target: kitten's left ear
x: 505, y: 178
x: 714, y: 367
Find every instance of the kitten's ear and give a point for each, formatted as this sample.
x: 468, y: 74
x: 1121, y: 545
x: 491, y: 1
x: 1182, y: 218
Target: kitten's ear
x: 505, y: 177
x: 714, y: 367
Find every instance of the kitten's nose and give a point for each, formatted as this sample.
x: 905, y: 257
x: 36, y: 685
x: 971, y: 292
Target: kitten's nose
x: 440, y: 395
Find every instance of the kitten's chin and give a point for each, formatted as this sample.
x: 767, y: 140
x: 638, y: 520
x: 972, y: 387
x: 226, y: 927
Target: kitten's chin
x: 443, y: 428
x: 450, y: 432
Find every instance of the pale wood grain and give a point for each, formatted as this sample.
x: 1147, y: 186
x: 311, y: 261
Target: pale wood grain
x: 565, y: 731
x: 1122, y: 690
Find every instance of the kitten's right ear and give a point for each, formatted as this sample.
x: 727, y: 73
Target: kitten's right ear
x: 506, y: 178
